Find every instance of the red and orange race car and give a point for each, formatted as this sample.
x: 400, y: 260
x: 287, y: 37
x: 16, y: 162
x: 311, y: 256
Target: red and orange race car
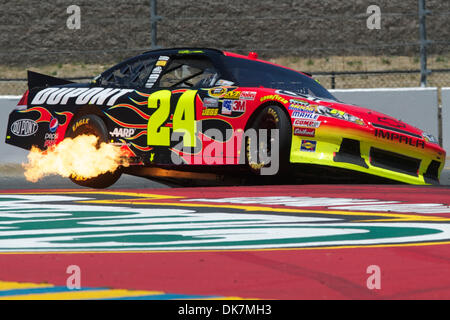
x: 204, y: 110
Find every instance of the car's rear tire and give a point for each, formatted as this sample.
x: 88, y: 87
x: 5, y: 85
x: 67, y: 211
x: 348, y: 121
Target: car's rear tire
x: 270, y: 117
x: 92, y: 125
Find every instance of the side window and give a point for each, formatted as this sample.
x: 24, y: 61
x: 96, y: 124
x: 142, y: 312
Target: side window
x: 187, y: 72
x: 132, y: 73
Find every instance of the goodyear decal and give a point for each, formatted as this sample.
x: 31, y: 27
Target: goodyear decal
x: 79, y: 124
x: 274, y: 97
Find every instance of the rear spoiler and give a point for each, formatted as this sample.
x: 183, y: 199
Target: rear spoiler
x: 38, y: 80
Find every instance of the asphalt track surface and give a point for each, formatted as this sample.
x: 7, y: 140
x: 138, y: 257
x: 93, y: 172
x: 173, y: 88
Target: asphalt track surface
x: 143, y: 240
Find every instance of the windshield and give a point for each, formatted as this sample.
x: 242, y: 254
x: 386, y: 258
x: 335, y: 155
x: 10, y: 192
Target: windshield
x: 250, y: 73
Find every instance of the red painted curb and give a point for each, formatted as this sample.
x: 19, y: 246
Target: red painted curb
x: 413, y: 271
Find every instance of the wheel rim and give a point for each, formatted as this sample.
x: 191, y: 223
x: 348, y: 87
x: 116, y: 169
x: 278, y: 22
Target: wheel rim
x: 268, y: 122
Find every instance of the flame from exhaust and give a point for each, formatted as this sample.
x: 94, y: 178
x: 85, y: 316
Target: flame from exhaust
x: 78, y: 157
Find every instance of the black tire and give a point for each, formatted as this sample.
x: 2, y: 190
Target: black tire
x: 92, y: 125
x: 270, y: 117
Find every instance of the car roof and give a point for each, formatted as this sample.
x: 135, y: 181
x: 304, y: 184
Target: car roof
x: 186, y: 50
x: 208, y: 51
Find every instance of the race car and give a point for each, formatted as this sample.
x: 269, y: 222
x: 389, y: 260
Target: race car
x: 203, y: 110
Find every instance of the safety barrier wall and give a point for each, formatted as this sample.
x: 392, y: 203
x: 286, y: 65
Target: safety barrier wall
x: 446, y: 120
x: 416, y: 106
x: 8, y: 153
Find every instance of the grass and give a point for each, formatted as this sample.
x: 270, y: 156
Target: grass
x: 306, y: 64
x: 362, y: 63
x: 58, y: 69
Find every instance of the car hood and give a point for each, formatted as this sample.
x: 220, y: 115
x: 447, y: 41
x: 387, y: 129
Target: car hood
x: 375, y: 118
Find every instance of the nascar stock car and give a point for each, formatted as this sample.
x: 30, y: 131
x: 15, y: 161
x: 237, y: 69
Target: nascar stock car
x: 141, y: 103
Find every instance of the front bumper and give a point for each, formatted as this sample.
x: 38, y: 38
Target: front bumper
x: 361, y: 150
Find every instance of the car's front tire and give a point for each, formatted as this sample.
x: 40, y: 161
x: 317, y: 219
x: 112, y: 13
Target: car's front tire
x: 92, y: 125
x: 270, y: 117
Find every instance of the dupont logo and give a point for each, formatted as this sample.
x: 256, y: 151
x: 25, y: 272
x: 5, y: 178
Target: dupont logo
x: 24, y: 127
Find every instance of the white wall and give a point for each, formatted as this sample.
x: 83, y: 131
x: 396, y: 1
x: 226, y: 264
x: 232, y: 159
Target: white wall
x: 8, y: 153
x: 415, y: 106
x: 446, y: 120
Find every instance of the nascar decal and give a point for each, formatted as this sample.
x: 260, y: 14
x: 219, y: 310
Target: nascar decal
x: 79, y: 96
x: 223, y: 92
x: 33, y: 223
